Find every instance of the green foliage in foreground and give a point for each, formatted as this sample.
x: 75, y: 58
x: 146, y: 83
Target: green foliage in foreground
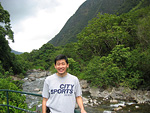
x: 15, y: 99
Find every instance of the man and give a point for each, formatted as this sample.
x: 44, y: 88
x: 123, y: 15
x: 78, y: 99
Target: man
x: 61, y: 90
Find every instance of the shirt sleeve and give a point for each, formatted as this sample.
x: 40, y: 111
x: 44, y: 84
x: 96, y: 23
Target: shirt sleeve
x: 45, y: 92
x: 78, y: 89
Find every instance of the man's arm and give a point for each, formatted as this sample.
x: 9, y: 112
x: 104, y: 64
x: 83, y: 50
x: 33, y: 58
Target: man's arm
x: 44, y: 105
x: 80, y: 103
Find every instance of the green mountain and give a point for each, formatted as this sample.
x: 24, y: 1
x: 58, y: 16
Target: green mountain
x: 88, y: 10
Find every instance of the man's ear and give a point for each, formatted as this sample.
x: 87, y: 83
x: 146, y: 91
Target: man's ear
x: 67, y: 65
x: 55, y: 66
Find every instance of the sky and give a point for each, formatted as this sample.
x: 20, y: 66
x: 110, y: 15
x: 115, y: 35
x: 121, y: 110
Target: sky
x: 35, y: 22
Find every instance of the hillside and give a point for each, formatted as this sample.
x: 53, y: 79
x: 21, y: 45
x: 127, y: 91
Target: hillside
x: 88, y: 10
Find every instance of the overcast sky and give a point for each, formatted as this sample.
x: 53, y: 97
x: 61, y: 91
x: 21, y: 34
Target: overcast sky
x: 35, y: 22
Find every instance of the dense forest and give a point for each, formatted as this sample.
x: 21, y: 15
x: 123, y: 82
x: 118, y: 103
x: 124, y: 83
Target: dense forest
x: 112, y: 50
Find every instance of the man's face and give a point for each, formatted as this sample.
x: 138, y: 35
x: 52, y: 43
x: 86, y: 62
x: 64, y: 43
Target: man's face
x: 61, y: 66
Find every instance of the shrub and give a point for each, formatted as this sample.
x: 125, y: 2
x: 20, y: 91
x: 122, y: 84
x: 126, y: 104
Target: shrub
x: 15, y: 99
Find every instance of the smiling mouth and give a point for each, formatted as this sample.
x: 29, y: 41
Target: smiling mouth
x: 61, y: 70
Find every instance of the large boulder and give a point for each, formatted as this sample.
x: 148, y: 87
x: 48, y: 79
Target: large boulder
x: 94, y: 92
x: 84, y: 84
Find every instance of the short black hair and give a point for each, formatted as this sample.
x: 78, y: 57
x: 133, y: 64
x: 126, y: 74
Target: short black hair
x: 60, y: 57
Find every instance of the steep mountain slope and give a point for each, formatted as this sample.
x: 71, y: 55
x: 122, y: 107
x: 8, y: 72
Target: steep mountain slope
x: 88, y: 10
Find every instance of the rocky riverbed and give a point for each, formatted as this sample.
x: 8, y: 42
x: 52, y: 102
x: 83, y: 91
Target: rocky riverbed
x: 96, y: 100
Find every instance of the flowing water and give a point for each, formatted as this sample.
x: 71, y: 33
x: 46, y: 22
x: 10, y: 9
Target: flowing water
x: 130, y: 108
x: 104, y: 107
x: 107, y: 107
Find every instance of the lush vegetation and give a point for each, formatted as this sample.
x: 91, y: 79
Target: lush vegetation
x: 15, y: 99
x: 10, y: 64
x: 113, y: 50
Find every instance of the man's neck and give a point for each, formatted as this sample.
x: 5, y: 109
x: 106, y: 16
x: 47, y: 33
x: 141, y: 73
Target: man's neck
x: 62, y: 75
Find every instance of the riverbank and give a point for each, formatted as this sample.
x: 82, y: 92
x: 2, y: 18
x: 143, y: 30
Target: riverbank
x: 111, y: 99
x: 122, y: 93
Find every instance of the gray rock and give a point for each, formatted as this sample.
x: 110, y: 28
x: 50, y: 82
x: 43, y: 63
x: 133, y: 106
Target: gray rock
x: 32, y: 78
x: 48, y: 73
x: 113, y: 101
x: 36, y: 89
x: 94, y: 92
x: 41, y: 74
x: 105, y: 94
x: 32, y: 75
x: 117, y: 109
x: 84, y: 84
x: 85, y: 101
x: 40, y: 92
x: 137, y: 107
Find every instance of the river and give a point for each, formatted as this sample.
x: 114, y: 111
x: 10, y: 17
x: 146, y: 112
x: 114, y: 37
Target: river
x: 103, y: 106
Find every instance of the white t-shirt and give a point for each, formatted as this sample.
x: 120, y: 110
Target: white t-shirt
x: 61, y: 93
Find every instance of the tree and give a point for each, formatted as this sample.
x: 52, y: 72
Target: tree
x: 5, y: 32
x: 103, y: 33
x: 143, y: 29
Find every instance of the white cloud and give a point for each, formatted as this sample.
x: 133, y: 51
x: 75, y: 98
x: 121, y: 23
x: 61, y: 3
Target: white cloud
x: 35, y: 22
